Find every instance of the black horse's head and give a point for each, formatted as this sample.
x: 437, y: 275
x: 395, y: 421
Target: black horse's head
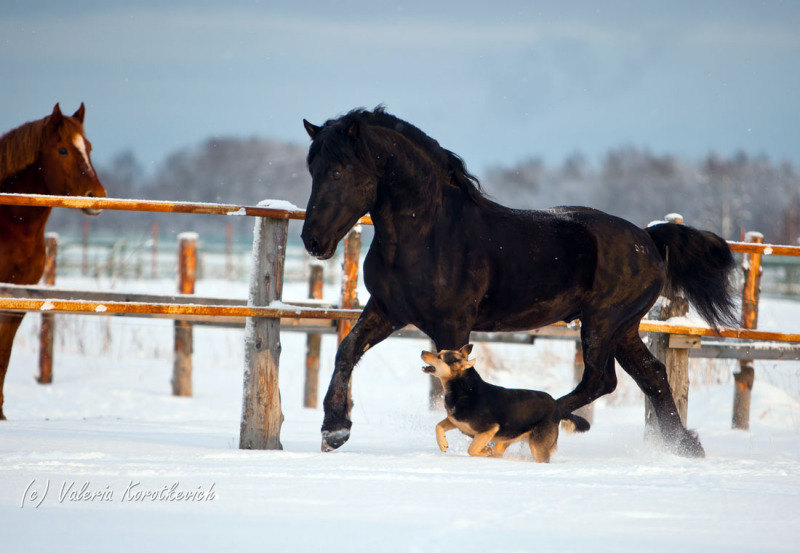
x: 344, y: 182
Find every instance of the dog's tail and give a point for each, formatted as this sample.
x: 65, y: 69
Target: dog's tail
x: 574, y: 423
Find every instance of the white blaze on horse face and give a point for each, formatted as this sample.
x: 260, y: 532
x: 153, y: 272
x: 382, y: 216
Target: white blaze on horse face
x: 80, y: 144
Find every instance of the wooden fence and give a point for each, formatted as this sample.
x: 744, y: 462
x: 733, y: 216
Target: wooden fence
x: 265, y: 314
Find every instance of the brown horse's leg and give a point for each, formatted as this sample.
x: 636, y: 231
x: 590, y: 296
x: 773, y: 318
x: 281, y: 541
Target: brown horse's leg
x: 651, y: 376
x: 9, y: 323
x: 370, y: 329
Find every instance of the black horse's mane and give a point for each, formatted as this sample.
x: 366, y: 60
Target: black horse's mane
x: 450, y: 162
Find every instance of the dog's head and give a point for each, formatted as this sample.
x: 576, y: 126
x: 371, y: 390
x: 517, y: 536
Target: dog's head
x: 448, y: 363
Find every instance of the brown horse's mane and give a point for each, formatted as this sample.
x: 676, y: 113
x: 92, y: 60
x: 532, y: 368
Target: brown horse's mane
x: 20, y: 147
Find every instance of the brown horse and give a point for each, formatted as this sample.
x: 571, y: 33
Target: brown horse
x: 48, y: 156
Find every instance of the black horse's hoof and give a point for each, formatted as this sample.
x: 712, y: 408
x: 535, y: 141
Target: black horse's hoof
x: 689, y: 445
x: 334, y: 439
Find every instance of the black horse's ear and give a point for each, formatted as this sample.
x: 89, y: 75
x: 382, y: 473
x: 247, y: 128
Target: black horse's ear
x: 311, y: 129
x: 80, y: 113
x: 353, y: 131
x: 56, y: 118
x: 466, y: 350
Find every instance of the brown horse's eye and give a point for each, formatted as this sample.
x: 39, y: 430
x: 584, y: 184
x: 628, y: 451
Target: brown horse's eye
x: 63, y: 151
x: 336, y: 175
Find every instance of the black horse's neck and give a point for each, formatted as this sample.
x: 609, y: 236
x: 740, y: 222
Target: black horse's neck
x: 412, y: 191
x: 27, y: 181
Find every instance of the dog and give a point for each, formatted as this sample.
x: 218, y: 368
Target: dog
x: 489, y: 413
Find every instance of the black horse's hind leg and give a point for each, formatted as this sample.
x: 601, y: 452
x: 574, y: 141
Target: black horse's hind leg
x: 372, y: 327
x: 599, y: 377
x: 651, y: 376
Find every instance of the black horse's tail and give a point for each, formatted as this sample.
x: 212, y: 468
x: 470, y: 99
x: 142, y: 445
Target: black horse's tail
x: 699, y: 263
x: 574, y: 423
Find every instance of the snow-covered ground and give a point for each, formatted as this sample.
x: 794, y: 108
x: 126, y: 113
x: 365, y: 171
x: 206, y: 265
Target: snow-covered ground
x: 108, y: 426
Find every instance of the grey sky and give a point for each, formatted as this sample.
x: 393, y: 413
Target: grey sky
x: 494, y: 82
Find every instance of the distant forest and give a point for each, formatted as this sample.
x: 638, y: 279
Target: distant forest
x: 723, y: 194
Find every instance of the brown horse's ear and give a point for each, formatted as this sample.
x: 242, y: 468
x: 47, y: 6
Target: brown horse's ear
x: 56, y: 118
x: 80, y: 113
x: 311, y: 129
x: 466, y: 350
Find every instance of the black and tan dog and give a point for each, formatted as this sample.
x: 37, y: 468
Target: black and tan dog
x: 490, y: 413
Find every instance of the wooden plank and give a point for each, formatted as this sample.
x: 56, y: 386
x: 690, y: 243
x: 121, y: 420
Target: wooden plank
x: 182, y: 358
x: 313, y: 342
x: 683, y: 341
x: 261, y: 405
x: 349, y: 294
x: 154, y: 206
x: 744, y: 379
x: 47, y: 329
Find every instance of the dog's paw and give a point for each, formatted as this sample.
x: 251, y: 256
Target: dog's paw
x: 443, y: 445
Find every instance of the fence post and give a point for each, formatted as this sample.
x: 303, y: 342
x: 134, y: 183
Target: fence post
x: 743, y: 380
x: 349, y: 298
x: 587, y: 411
x: 187, y: 271
x: 48, y: 322
x: 313, y: 341
x: 673, y: 351
x: 261, y: 403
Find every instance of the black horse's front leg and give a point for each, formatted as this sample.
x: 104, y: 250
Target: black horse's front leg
x: 372, y: 327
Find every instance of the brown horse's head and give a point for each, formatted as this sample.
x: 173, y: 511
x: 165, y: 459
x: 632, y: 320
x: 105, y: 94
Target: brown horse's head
x: 65, y: 158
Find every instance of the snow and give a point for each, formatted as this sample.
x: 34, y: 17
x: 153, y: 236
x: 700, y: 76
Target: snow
x: 109, y: 423
x: 279, y: 204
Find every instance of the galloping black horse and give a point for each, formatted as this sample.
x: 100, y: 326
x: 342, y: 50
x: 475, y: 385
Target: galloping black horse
x: 449, y: 260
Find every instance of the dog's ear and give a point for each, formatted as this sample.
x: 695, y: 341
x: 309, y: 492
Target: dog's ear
x: 469, y: 363
x: 466, y: 350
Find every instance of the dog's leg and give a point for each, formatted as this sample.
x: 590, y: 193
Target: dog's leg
x: 543, y: 442
x: 441, y: 428
x: 478, y: 446
x: 499, y: 448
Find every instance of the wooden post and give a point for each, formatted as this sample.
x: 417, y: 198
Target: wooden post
x: 743, y: 380
x: 187, y: 270
x: 673, y: 353
x: 261, y: 404
x: 313, y: 341
x: 587, y: 411
x: 48, y: 322
x: 349, y: 299
x: 154, y: 250
x: 85, y: 250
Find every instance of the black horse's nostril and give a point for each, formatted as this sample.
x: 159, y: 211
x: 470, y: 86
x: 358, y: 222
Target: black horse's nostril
x: 313, y: 245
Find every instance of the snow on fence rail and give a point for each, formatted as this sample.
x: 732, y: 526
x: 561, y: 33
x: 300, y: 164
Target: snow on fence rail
x: 264, y: 312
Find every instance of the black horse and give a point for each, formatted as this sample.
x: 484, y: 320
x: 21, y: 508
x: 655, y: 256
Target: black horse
x: 449, y: 260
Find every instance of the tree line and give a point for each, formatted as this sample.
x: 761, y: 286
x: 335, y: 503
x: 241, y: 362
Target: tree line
x: 726, y: 194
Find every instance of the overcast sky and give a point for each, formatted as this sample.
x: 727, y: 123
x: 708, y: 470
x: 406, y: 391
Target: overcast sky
x: 494, y: 81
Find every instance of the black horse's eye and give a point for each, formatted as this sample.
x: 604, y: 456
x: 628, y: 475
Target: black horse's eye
x: 336, y: 174
x: 62, y: 151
